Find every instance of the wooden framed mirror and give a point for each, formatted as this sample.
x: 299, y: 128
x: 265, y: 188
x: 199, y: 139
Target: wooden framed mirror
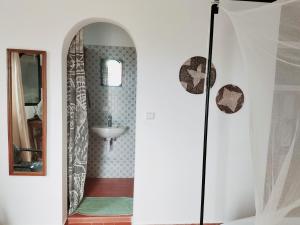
x: 27, y: 112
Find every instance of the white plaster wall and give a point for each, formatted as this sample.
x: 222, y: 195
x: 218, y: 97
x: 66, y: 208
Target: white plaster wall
x: 106, y: 34
x: 168, y: 149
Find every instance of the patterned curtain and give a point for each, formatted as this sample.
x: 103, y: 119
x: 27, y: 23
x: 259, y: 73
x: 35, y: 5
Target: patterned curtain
x: 77, y: 122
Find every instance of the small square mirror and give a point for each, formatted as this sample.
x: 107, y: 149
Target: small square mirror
x: 111, y: 72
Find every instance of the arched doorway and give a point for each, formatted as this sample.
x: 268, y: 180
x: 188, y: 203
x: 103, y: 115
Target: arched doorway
x: 110, y: 105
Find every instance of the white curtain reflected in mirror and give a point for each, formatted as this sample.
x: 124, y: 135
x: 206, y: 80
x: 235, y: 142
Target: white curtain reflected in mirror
x: 20, y: 132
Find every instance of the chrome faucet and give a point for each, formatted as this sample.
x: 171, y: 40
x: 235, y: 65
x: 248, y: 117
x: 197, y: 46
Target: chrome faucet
x: 109, y: 120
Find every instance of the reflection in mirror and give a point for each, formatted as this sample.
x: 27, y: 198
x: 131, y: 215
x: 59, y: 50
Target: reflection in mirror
x: 27, y: 111
x: 31, y: 78
x: 111, y: 72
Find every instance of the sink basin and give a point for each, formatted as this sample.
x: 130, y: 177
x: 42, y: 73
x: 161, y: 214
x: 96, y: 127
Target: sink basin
x: 109, y: 132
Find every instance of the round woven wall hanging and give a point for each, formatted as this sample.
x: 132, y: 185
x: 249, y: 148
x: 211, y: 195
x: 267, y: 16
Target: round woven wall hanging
x: 230, y: 99
x: 193, y: 73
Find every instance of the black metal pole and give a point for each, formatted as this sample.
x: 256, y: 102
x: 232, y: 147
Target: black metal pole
x: 214, y: 10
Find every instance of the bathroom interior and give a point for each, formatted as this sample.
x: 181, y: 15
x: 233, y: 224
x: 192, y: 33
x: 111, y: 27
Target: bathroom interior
x: 110, y: 64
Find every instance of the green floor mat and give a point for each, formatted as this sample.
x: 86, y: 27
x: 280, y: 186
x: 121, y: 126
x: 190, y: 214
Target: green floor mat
x: 105, y: 206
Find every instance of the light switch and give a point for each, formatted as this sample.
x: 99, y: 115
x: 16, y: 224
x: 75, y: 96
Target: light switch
x: 150, y: 116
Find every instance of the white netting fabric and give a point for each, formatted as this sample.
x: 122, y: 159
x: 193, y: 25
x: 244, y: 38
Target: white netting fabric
x: 269, y: 39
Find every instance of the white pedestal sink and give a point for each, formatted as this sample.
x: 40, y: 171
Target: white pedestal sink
x: 109, y: 134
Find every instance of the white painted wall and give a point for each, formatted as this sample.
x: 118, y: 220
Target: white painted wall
x: 106, y: 34
x: 168, y: 149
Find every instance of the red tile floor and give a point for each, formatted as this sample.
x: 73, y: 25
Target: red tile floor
x: 105, y: 187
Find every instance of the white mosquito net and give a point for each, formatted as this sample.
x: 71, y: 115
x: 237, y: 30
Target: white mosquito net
x: 269, y: 39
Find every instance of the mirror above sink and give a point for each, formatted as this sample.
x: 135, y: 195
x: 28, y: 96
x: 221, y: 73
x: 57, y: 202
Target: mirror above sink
x: 111, y: 73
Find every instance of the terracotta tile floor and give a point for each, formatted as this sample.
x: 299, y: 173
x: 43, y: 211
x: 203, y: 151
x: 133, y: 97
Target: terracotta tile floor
x: 105, y: 187
x: 109, y: 187
x: 99, y: 220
